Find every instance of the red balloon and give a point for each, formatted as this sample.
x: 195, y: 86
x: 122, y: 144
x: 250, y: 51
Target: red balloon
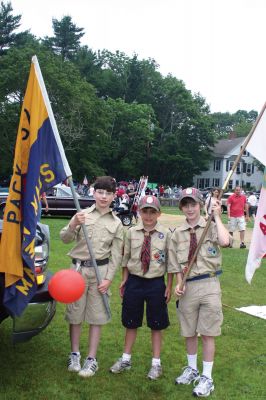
x: 66, y: 286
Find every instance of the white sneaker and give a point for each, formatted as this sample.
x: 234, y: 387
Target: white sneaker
x: 155, y: 372
x: 89, y: 368
x: 120, y: 366
x: 73, y: 363
x: 188, y: 376
x: 204, y: 387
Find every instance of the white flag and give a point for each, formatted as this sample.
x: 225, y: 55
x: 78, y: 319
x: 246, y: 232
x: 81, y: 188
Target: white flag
x: 257, y: 144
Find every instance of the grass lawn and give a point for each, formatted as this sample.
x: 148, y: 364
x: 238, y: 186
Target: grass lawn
x: 37, y: 369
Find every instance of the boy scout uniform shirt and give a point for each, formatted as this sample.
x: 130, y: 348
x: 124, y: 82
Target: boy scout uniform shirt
x: 209, y: 256
x: 105, y: 232
x: 132, y: 251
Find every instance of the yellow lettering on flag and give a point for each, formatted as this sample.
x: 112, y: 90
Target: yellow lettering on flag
x: 30, y: 122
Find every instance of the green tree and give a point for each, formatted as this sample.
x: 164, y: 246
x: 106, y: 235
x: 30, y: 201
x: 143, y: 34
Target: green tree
x: 8, y: 24
x: 66, y: 39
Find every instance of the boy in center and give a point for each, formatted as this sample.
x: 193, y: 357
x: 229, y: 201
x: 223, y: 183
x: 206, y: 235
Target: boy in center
x: 144, y: 265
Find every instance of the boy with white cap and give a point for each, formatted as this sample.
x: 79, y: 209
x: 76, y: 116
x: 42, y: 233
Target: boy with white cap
x: 200, y: 306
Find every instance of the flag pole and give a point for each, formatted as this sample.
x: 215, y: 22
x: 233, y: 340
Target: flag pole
x: 88, y: 242
x: 230, y: 173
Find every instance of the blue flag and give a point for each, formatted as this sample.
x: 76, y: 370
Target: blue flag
x: 39, y: 164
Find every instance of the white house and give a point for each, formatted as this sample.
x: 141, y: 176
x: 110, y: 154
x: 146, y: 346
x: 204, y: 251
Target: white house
x: 225, y: 152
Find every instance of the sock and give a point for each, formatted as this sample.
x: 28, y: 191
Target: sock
x: 76, y: 353
x: 126, y: 357
x: 155, y: 362
x: 192, y: 361
x: 207, y: 369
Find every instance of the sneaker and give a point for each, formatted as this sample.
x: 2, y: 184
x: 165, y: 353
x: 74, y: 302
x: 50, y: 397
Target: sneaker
x: 188, y: 375
x: 120, y: 366
x: 204, y: 387
x: 155, y: 372
x: 73, y: 363
x: 242, y: 245
x: 89, y: 368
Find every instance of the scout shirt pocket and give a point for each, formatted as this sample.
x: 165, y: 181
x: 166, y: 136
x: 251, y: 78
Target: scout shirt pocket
x: 136, y: 246
x: 209, y: 250
x: 182, y: 252
x: 107, y: 235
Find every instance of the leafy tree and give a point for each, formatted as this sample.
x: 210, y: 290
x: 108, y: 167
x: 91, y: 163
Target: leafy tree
x: 8, y: 24
x: 66, y: 39
x: 239, y: 122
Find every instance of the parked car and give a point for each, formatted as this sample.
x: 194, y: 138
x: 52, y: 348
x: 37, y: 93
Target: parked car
x: 41, y: 309
x: 224, y: 200
x: 61, y: 202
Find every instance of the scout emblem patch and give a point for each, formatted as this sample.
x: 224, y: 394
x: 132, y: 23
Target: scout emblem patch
x: 160, y: 235
x: 212, y: 251
x: 159, y: 256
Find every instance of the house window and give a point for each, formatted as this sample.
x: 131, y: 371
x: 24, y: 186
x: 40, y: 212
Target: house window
x: 229, y: 165
x: 244, y: 167
x: 238, y: 168
x: 200, y: 183
x: 230, y: 185
x: 250, y: 169
x: 237, y: 182
x: 248, y: 185
x: 217, y: 165
x: 207, y: 182
x: 216, y: 182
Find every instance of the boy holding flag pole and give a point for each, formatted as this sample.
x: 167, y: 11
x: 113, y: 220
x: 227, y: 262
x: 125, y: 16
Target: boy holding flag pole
x: 188, y: 268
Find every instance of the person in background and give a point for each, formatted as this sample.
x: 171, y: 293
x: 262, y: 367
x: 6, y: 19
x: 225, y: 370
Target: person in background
x: 253, y: 205
x: 43, y: 199
x: 237, y: 212
x: 210, y: 201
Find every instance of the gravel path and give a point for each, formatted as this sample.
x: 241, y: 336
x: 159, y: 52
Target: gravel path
x: 173, y: 221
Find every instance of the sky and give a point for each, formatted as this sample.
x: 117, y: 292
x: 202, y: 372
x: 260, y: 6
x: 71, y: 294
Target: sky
x: 216, y: 47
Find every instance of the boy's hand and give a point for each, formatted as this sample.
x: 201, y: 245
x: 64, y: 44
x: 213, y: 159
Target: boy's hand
x: 178, y: 291
x: 103, y: 287
x: 122, y: 288
x: 78, y: 219
x: 168, y: 294
x: 216, y: 208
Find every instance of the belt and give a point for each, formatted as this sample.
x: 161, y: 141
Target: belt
x: 88, y: 263
x: 204, y: 276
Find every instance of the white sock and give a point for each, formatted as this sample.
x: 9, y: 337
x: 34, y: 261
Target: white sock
x: 77, y: 353
x: 207, y: 369
x: 126, y: 357
x: 192, y: 361
x: 155, y: 361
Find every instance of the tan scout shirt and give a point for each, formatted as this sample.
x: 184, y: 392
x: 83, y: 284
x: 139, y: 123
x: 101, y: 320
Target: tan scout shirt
x: 159, y: 245
x: 105, y: 232
x: 209, y: 256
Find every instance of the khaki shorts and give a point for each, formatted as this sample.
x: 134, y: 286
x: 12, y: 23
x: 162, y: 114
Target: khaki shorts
x: 237, y: 223
x: 200, y: 308
x: 90, y: 306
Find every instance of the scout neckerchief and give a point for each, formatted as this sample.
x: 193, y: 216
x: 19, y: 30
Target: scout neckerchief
x: 193, y: 243
x: 146, y: 251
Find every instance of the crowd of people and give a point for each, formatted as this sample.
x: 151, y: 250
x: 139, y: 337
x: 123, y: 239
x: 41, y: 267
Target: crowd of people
x: 147, y: 252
